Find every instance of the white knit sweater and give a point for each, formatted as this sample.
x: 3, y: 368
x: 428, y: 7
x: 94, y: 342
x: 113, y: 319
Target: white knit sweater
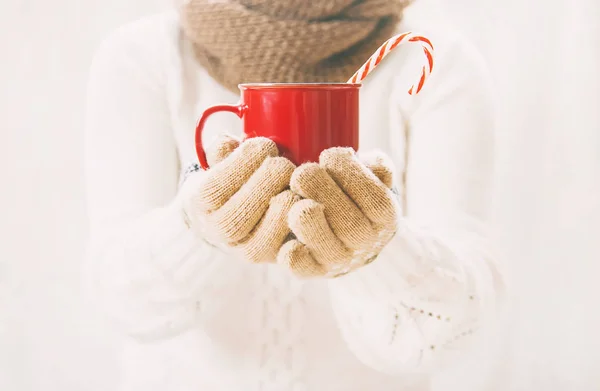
x: 200, y: 319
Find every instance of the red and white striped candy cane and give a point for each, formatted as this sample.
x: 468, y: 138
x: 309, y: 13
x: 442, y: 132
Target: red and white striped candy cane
x: 390, y: 45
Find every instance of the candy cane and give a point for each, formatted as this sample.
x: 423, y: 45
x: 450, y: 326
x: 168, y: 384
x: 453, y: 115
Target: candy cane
x: 390, y: 45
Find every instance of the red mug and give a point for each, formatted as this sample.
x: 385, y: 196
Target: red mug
x: 302, y: 119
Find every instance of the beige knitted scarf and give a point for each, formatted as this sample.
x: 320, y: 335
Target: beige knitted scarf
x: 287, y: 41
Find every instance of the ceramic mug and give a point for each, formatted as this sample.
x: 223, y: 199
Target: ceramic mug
x: 302, y: 119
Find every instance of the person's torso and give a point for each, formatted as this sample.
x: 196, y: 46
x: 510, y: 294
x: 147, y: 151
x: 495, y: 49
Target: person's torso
x: 262, y: 329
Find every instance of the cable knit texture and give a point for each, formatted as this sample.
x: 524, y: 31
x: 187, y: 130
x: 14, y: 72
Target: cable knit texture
x: 198, y: 316
x: 243, y: 41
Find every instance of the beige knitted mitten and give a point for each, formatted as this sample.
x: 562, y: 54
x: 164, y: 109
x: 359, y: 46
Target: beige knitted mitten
x: 242, y: 201
x: 347, y: 216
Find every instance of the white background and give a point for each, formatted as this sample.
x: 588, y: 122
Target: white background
x: 545, y: 57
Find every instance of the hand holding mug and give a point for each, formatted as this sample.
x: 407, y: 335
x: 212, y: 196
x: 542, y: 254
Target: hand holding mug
x: 242, y: 200
x: 348, y: 214
x: 304, y: 120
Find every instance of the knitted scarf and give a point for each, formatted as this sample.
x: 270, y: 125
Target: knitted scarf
x: 287, y: 41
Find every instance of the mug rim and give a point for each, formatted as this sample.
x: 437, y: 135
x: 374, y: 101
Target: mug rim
x: 246, y: 86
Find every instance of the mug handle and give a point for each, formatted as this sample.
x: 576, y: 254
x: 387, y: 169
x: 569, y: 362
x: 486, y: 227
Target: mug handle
x: 238, y: 110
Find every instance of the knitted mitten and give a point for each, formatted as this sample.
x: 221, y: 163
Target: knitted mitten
x: 242, y: 201
x: 347, y: 216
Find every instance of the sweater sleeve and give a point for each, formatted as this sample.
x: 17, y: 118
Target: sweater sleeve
x: 436, y: 283
x: 145, y: 268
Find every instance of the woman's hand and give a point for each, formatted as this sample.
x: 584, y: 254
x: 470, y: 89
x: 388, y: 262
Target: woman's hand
x: 242, y: 201
x: 348, y: 214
